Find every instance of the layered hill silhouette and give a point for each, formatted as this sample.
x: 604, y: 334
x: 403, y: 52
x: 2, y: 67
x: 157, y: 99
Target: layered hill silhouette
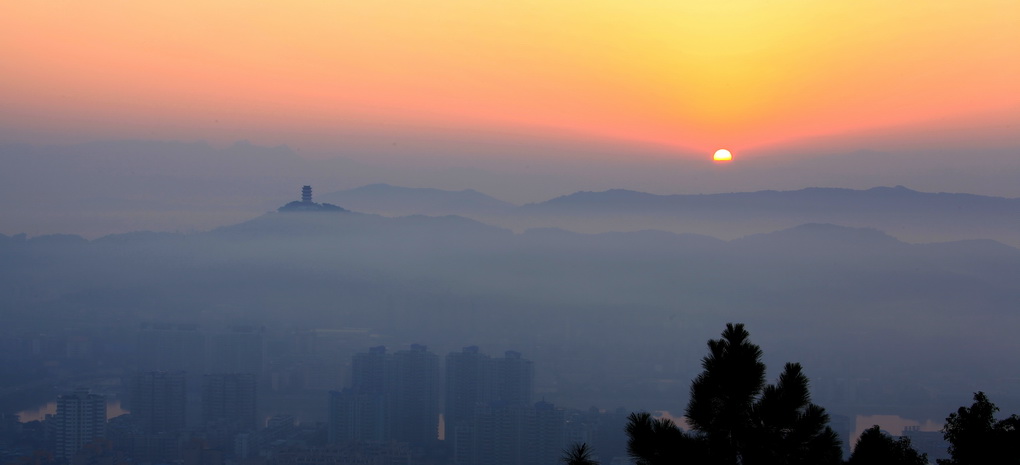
x: 390, y: 200
x: 626, y: 304
x: 887, y: 294
x: 107, y: 187
x: 907, y: 214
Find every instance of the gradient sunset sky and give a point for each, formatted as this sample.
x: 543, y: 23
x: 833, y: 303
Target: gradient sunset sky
x: 686, y: 75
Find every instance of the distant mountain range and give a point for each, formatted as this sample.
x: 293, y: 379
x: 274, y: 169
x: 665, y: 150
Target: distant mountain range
x: 388, y: 200
x: 98, y: 188
x: 614, y: 291
x: 907, y: 214
x: 633, y: 306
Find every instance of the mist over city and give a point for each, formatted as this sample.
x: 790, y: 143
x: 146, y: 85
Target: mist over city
x: 510, y: 233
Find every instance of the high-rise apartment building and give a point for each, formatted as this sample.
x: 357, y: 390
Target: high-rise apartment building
x: 469, y: 383
x: 356, y: 415
x: 372, y: 371
x: 391, y: 397
x: 230, y: 399
x: 474, y: 380
x: 81, y: 419
x: 362, y: 411
x: 415, y: 392
x: 514, y: 379
x: 158, y: 400
x: 511, y: 434
x: 489, y: 416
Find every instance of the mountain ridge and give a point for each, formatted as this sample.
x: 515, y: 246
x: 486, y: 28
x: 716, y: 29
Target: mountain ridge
x: 912, y: 215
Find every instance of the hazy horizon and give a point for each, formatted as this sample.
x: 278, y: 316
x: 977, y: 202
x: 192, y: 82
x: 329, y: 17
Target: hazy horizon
x: 186, y: 186
x: 515, y: 175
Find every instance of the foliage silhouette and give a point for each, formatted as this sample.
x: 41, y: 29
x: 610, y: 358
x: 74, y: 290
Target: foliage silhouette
x: 659, y: 441
x: 976, y: 438
x: 875, y: 447
x: 579, y: 454
x: 736, y: 419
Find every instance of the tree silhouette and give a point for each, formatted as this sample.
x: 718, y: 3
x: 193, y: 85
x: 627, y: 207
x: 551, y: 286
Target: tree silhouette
x: 723, y: 395
x: 579, y: 454
x: 877, y: 448
x: 976, y: 438
x: 736, y: 419
x: 787, y: 428
x: 654, y: 441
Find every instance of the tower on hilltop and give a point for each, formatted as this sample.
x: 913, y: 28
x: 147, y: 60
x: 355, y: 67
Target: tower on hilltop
x: 307, y: 205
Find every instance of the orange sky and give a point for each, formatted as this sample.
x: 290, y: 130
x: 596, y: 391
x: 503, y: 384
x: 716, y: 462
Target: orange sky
x: 687, y: 74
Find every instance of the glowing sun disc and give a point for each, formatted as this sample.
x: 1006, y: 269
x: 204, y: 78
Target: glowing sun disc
x: 722, y: 155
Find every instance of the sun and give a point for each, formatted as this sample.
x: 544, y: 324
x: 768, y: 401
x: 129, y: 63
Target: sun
x: 722, y: 155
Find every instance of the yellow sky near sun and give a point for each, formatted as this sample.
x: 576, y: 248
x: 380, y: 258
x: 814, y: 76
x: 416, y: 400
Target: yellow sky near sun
x: 696, y: 74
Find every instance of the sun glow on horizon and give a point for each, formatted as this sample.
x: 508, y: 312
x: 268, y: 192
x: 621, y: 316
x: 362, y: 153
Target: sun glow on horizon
x: 657, y: 72
x: 722, y: 155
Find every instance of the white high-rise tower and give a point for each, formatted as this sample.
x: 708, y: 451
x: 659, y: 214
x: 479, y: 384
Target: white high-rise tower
x: 81, y: 419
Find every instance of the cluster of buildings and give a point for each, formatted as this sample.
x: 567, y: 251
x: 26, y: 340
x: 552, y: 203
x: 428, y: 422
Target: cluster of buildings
x: 488, y: 414
x: 157, y: 430
x: 198, y: 397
